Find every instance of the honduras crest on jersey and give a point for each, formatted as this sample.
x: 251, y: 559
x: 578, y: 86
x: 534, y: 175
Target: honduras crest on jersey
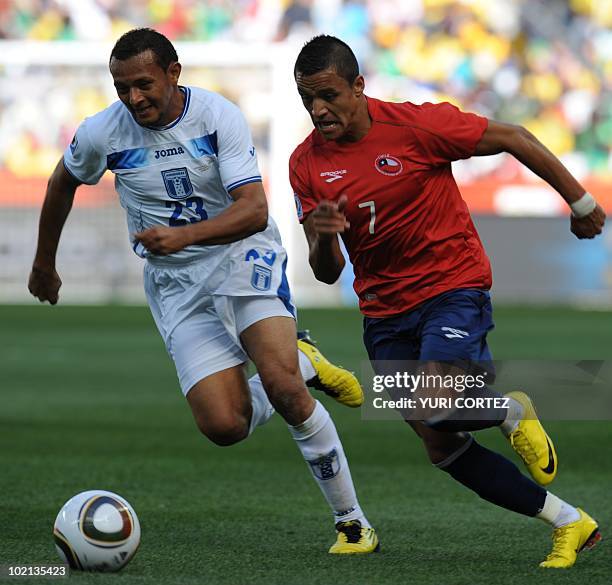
x: 177, y: 182
x: 261, y: 278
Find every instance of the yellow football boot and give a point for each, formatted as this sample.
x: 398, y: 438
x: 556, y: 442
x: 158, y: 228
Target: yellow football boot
x: 532, y: 444
x: 354, y: 539
x: 335, y: 381
x: 569, y: 540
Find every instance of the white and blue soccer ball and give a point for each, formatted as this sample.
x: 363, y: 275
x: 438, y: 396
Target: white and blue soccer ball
x: 96, y: 530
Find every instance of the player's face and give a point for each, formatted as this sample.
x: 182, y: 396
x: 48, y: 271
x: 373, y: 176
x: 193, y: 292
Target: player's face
x: 147, y: 91
x: 336, y: 107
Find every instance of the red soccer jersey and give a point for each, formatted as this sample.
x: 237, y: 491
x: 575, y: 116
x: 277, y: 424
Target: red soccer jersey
x: 411, y: 236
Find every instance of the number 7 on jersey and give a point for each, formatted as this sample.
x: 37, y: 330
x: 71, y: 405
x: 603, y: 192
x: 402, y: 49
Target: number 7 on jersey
x: 372, y: 207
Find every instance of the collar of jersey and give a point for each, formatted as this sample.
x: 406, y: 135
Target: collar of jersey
x: 187, y: 92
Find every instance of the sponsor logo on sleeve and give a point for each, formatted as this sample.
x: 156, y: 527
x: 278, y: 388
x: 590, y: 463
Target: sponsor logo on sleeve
x: 298, y: 206
x: 74, y: 144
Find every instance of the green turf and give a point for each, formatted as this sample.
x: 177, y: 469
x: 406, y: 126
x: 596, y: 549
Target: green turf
x: 89, y: 400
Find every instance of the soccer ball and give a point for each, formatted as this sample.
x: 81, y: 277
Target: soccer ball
x: 96, y: 531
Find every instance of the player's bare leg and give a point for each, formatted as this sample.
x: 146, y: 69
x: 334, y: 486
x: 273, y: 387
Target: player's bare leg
x: 270, y: 343
x: 221, y: 406
x: 227, y: 407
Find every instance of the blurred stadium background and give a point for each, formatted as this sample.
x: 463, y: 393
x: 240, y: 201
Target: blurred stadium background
x: 89, y: 397
x: 546, y: 64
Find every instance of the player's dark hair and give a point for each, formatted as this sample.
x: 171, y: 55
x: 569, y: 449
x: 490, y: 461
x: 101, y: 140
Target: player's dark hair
x: 327, y: 52
x: 139, y: 40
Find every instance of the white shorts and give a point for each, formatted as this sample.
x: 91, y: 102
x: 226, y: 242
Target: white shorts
x: 202, y: 330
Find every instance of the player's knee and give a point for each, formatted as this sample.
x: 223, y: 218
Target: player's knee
x: 224, y: 433
x: 440, y: 449
x: 435, y: 453
x: 227, y: 436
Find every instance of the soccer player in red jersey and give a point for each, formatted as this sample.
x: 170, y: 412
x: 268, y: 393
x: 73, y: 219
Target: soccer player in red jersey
x: 378, y: 175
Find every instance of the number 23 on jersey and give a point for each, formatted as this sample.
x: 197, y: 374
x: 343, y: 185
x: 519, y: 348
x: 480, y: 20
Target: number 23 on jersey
x: 195, y: 203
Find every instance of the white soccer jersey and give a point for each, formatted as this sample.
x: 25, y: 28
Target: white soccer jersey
x: 173, y: 175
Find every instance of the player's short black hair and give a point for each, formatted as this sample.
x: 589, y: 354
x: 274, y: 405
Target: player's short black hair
x: 139, y: 40
x: 327, y: 52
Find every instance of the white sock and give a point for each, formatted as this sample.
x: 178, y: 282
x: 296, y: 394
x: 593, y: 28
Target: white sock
x: 306, y: 368
x: 262, y: 408
x: 320, y: 445
x: 513, y: 417
x: 556, y: 512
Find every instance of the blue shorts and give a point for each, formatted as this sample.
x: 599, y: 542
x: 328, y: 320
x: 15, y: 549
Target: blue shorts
x: 451, y: 327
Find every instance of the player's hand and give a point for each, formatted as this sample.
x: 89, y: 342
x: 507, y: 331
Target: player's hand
x: 588, y: 226
x: 44, y: 284
x: 162, y: 240
x: 329, y: 219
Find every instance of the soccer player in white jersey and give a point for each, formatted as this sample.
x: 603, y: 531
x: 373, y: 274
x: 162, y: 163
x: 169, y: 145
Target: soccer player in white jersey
x: 186, y: 174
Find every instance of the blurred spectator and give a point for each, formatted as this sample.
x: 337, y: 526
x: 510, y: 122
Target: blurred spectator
x: 546, y: 64
x: 297, y: 17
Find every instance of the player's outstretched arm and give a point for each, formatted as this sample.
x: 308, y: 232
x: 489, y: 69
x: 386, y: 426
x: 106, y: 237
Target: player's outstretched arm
x: 44, y: 282
x: 245, y: 217
x: 588, y: 218
x: 322, y: 227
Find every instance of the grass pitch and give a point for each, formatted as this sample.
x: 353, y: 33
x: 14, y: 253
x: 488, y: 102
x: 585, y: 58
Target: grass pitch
x: 89, y: 400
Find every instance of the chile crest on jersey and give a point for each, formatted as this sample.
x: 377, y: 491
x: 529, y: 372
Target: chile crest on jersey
x: 388, y: 164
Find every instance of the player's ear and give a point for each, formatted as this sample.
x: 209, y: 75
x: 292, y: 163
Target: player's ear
x: 174, y: 71
x: 358, y: 86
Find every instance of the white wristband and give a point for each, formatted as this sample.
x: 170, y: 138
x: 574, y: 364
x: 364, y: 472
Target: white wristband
x: 584, y: 206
